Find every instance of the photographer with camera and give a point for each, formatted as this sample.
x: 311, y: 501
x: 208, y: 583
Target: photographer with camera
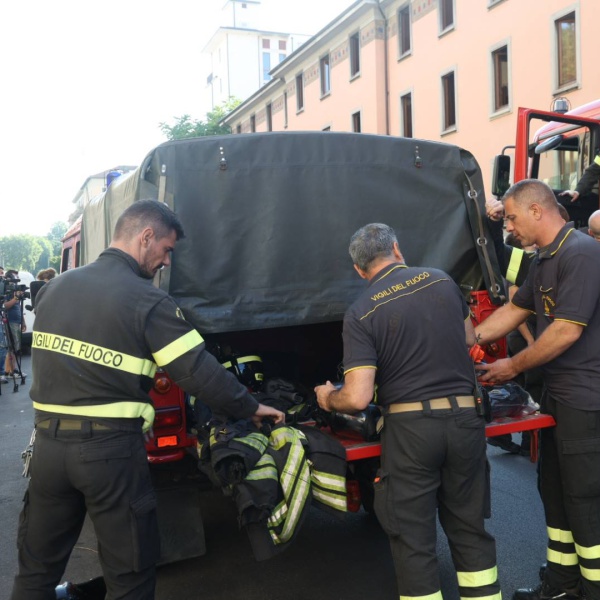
x: 3, y: 339
x: 13, y: 305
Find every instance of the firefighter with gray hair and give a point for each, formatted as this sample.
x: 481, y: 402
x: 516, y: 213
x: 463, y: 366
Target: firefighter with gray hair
x: 408, y: 335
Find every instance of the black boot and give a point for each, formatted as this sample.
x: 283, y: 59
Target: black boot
x: 545, y: 592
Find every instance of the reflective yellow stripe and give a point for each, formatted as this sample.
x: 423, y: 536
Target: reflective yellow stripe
x: 597, y: 159
x: 562, y: 558
x: 590, y: 574
x: 242, y: 360
x: 115, y: 410
x: 590, y: 552
x: 258, y: 441
x: 92, y: 353
x: 560, y: 535
x: 516, y: 257
x: 497, y: 596
x: 477, y: 578
x: 177, y: 348
x: 436, y: 596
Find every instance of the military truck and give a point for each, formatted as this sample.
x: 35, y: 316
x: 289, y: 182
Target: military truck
x: 264, y: 268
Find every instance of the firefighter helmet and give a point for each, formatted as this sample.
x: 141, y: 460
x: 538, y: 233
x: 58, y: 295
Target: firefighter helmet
x: 248, y: 369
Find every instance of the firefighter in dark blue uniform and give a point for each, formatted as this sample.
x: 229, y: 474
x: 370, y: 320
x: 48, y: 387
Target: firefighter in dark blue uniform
x: 100, y: 332
x: 407, y: 333
x: 563, y: 290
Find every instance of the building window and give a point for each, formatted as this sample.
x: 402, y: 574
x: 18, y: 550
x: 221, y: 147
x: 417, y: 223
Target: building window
x: 325, y: 75
x: 266, y: 44
x: 566, y: 50
x: 285, y: 112
x: 500, y: 67
x: 266, y: 66
x: 356, y: 122
x: 404, y: 40
x: 238, y: 129
x: 354, y: 55
x: 446, y: 14
x: 282, y: 45
x: 269, y: 111
x: 449, y: 102
x: 281, y: 57
x: 299, y: 92
x: 406, y: 118
x: 253, y: 123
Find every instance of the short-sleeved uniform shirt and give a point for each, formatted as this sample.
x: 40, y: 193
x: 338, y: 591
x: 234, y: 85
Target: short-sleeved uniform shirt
x: 409, y: 325
x: 564, y: 285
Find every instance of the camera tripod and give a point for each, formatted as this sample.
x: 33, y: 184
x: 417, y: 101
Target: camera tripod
x: 13, y: 356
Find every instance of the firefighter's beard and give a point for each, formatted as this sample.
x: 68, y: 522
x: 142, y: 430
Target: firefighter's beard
x: 147, y: 270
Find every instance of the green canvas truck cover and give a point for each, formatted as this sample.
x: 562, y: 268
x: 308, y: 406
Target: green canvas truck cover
x: 268, y: 218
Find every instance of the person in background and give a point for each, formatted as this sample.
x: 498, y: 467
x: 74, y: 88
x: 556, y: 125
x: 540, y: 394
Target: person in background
x: 14, y: 310
x: 46, y: 274
x: 408, y: 333
x: 594, y: 225
x: 3, y: 344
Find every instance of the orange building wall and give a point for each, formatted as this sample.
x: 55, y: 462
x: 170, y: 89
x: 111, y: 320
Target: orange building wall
x: 527, y: 26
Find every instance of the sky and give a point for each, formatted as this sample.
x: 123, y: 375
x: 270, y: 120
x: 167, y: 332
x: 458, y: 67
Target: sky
x: 85, y: 83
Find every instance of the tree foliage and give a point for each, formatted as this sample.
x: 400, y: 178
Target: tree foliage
x: 32, y: 253
x: 186, y: 127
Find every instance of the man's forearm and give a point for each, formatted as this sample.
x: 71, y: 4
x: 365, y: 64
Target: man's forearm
x: 498, y: 324
x: 557, y: 338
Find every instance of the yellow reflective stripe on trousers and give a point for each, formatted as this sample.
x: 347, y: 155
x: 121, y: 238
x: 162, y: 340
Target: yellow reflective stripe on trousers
x: 589, y: 552
x: 92, y: 353
x: 516, y: 256
x: 474, y: 579
x: 122, y: 409
x: 436, y: 596
x: 560, y: 535
x: 597, y: 159
x: 590, y: 574
x: 561, y: 558
x: 497, y: 596
x: 177, y: 348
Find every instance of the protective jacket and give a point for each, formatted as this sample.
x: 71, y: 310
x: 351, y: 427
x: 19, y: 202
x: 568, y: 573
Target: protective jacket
x: 277, y: 476
x: 111, y: 359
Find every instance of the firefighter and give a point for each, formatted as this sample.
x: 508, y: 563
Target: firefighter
x: 100, y: 332
x: 408, y: 333
x: 563, y: 290
x: 588, y: 180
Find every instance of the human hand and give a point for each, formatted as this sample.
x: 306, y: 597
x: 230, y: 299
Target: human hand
x: 323, y: 392
x: 267, y: 412
x: 494, y: 210
x: 574, y: 195
x: 497, y: 372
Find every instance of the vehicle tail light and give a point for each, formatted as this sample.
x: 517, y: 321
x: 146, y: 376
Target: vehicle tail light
x: 162, y: 384
x: 167, y: 417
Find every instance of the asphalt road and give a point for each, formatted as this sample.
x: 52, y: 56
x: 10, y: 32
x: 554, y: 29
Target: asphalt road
x: 331, y: 559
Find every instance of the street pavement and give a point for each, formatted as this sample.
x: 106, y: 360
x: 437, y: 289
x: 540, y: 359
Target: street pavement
x: 345, y: 559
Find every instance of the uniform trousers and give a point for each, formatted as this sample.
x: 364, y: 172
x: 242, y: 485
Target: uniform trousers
x: 570, y: 490
x: 435, y: 463
x: 106, y: 474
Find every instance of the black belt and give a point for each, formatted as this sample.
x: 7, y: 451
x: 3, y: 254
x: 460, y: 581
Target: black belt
x: 72, y: 425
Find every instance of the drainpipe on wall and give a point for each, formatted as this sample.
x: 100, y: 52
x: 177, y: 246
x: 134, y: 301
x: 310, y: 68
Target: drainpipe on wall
x: 385, y: 67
